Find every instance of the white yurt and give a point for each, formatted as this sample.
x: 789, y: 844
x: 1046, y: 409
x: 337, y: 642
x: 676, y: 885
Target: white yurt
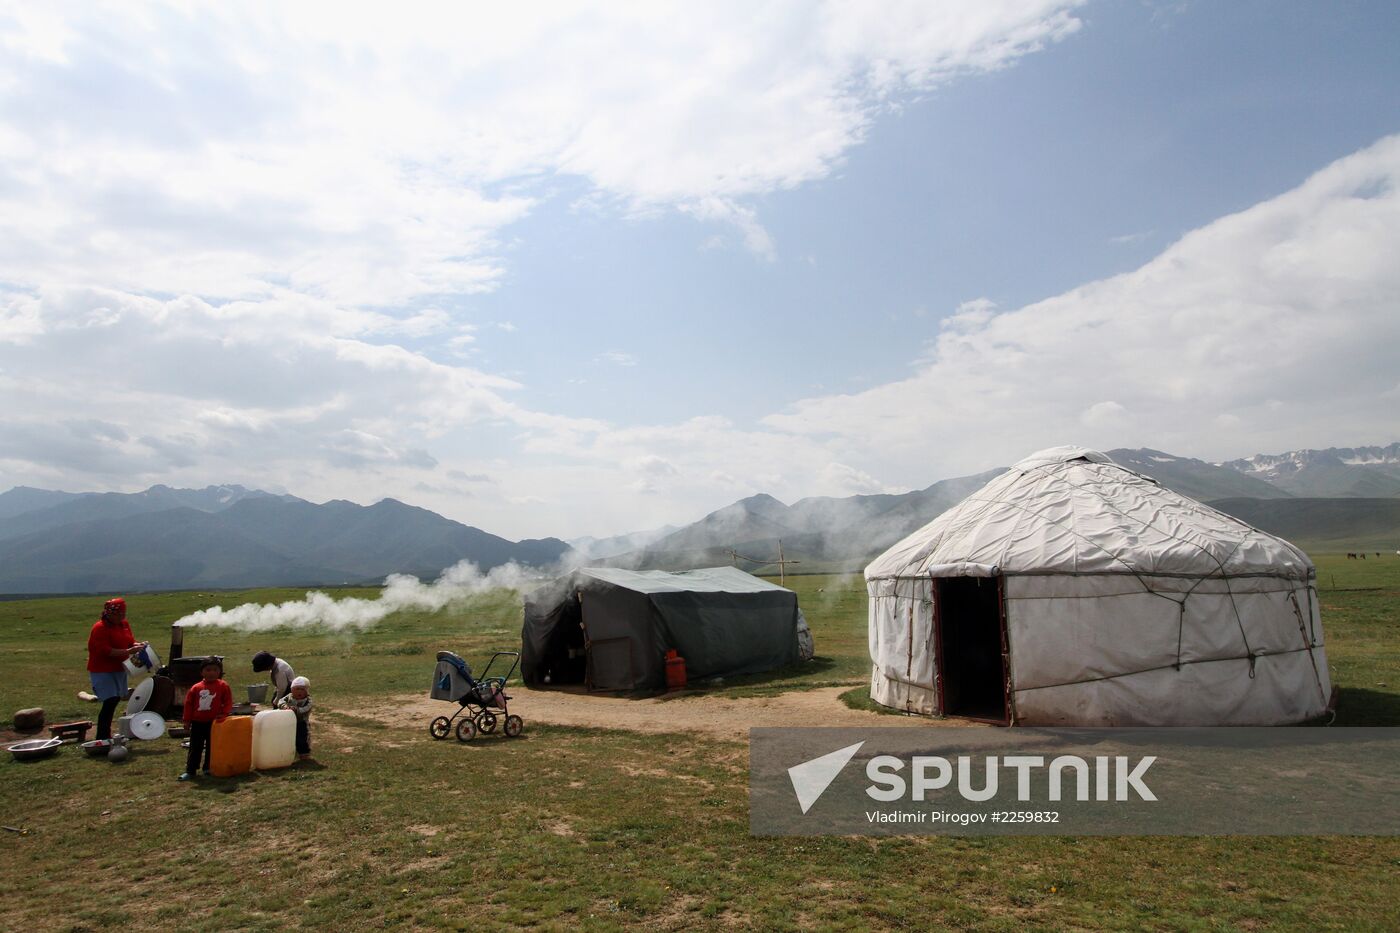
x: 1072, y: 591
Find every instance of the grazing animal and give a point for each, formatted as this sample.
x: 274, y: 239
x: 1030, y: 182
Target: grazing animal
x: 1351, y: 556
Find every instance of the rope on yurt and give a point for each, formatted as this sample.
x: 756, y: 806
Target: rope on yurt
x: 909, y: 663
x: 1303, y: 630
x: 1159, y: 667
x: 1234, y: 607
x: 1180, y: 625
x: 1220, y: 565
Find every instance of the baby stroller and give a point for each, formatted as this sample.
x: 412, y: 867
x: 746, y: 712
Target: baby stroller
x: 478, y: 698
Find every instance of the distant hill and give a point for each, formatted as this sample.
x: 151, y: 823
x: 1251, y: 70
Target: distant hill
x: 825, y: 533
x: 180, y: 548
x: 38, y: 510
x: 228, y: 536
x: 1355, y: 472
x: 842, y: 534
x: 23, y: 499
x: 1342, y: 524
x: 589, y: 547
x: 1196, y: 478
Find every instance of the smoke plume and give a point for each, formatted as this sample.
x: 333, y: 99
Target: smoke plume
x: 401, y: 591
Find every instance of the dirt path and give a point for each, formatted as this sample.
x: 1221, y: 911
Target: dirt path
x: 716, y: 716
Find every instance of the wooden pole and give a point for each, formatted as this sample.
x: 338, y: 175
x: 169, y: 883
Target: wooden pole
x: 782, y: 561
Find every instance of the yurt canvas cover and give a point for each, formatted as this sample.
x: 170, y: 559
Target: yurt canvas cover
x: 1072, y: 591
x: 721, y: 620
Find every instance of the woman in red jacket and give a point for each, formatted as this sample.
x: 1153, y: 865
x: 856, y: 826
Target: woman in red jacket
x: 109, y: 644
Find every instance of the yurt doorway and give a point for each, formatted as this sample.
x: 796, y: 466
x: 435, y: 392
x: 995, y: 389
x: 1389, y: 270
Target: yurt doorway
x: 969, y: 633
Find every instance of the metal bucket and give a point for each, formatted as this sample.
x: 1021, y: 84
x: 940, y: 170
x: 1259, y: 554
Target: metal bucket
x: 257, y: 693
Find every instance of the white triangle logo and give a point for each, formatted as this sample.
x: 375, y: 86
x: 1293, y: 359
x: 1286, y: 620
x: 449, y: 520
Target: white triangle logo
x: 811, y: 778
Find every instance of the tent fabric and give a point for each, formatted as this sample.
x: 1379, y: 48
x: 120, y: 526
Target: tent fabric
x: 1125, y: 603
x: 723, y: 621
x: 806, y: 647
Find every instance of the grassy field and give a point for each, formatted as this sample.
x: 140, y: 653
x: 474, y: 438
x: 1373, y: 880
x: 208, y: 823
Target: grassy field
x: 594, y: 828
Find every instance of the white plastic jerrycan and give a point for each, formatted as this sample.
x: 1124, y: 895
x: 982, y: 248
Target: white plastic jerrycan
x: 274, y: 739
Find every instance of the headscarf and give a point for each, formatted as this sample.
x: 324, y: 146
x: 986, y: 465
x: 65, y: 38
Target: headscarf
x: 301, y: 682
x: 263, y: 661
x: 114, y: 610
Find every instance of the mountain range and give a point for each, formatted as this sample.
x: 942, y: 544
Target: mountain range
x: 233, y: 537
x: 1352, y: 472
x: 1338, y: 498
x: 229, y: 536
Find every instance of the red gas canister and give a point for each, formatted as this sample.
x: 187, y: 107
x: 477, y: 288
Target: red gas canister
x: 675, y: 671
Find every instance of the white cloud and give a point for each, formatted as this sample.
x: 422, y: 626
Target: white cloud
x: 652, y: 465
x: 853, y: 482
x: 1247, y: 335
x: 743, y: 219
x: 260, y: 387
x: 616, y: 358
x: 1104, y: 415
x: 369, y: 158
x: 218, y: 220
x: 653, y: 473
x: 1262, y: 328
x: 1258, y: 329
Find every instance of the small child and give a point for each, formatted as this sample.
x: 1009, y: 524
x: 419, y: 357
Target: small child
x: 209, y: 700
x: 299, y: 702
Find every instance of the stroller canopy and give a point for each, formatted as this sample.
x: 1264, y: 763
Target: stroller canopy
x: 452, y: 677
x: 612, y: 628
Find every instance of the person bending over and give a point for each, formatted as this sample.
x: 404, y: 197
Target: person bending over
x: 281, y: 674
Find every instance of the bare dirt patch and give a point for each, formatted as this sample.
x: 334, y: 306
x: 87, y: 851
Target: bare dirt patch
x: 714, y: 716
x: 561, y: 828
x: 427, y: 863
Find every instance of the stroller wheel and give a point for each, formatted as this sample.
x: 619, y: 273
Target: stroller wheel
x: 466, y: 730
x: 486, y: 722
x: 514, y: 726
x: 440, y: 727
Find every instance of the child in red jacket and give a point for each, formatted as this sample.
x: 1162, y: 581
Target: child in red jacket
x: 205, y: 702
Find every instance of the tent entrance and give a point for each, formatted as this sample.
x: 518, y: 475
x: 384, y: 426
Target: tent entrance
x: 563, y: 660
x: 970, y: 649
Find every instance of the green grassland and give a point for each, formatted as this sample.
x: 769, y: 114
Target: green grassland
x: 595, y: 828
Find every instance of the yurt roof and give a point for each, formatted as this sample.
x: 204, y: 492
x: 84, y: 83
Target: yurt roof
x: 1071, y: 510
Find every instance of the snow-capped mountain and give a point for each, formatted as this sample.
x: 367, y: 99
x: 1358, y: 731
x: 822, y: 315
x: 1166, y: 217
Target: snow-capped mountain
x: 1351, y: 472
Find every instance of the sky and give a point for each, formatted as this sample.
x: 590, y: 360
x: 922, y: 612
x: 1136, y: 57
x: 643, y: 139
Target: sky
x: 584, y: 269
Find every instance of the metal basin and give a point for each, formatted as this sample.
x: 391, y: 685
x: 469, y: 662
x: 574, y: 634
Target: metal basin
x: 98, y: 748
x: 34, y: 748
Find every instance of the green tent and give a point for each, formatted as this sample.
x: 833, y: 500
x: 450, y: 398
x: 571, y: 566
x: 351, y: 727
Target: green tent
x: 610, y: 629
